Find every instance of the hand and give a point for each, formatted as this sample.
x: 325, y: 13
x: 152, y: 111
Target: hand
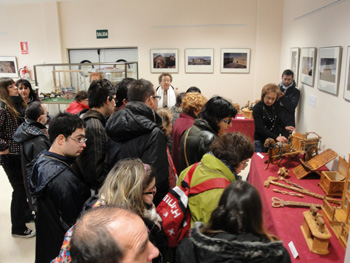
x: 5, y: 152
x: 289, y: 128
x: 282, y: 139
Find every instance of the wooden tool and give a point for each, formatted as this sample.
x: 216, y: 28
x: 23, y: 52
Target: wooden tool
x: 277, y: 202
x: 315, y: 163
x: 291, y: 183
x: 287, y: 193
x: 272, y: 180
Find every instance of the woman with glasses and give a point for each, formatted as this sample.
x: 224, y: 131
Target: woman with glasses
x: 131, y: 185
x: 213, y: 121
x: 268, y: 123
x: 235, y: 232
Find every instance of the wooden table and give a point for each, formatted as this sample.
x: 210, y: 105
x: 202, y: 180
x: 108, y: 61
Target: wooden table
x: 285, y: 222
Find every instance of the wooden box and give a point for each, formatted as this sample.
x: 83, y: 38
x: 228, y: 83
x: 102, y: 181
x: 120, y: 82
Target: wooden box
x: 248, y: 114
x: 332, y: 182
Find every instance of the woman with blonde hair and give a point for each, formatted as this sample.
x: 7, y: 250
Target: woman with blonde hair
x: 131, y: 185
x: 192, y: 105
x: 166, y: 127
x: 12, y: 109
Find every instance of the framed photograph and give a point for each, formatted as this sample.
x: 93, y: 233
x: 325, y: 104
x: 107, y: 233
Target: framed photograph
x: 164, y: 60
x: 235, y: 60
x: 8, y: 67
x: 347, y: 77
x: 308, y: 60
x: 199, y: 60
x: 294, y: 62
x: 329, y: 62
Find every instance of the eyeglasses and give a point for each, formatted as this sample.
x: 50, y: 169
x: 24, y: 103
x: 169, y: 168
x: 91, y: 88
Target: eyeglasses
x: 81, y: 140
x: 226, y: 121
x: 153, y: 192
x: 156, y: 97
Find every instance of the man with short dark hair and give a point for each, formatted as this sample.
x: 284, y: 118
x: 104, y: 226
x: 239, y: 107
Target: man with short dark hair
x: 111, y: 234
x: 92, y: 162
x: 289, y: 99
x: 122, y: 93
x: 33, y: 137
x: 59, y: 193
x: 134, y: 133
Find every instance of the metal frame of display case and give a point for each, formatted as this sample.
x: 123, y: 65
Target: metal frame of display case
x: 108, y: 71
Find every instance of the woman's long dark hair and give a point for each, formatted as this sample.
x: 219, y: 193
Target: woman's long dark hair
x: 26, y: 83
x: 239, y: 211
x: 5, y: 96
x: 215, y: 110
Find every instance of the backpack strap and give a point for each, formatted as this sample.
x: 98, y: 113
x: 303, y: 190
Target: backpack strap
x: 186, y: 183
x: 185, y: 153
x: 210, y: 184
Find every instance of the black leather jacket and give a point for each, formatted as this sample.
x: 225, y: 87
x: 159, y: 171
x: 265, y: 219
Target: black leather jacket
x: 198, y: 141
x: 288, y: 102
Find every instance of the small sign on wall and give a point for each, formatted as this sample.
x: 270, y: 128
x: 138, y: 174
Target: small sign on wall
x: 24, y: 48
x: 102, y: 33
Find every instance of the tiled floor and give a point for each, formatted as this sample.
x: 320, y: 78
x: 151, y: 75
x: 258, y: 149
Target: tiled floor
x: 20, y: 250
x: 12, y: 250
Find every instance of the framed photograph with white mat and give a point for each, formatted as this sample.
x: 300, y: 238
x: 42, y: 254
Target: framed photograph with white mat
x: 347, y: 77
x: 294, y: 62
x: 8, y: 67
x: 199, y: 60
x: 329, y: 63
x: 235, y: 60
x: 307, y: 64
x: 164, y: 60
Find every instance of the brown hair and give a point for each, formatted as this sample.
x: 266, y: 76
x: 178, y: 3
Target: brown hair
x: 165, y: 75
x: 5, y: 96
x: 167, y: 119
x: 97, y: 74
x: 271, y: 87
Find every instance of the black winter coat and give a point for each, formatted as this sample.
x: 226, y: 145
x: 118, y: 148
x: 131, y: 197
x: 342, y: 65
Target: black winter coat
x: 92, y: 163
x: 288, y: 102
x: 134, y: 133
x: 198, y: 141
x: 225, y: 247
x: 60, y: 197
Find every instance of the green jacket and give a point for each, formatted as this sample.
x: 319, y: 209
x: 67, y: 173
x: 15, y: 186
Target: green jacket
x: 202, y: 205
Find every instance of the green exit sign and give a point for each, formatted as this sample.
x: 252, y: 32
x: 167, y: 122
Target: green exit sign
x: 102, y: 33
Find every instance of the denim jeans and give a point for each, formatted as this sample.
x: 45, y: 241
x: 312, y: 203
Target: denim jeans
x: 259, y: 146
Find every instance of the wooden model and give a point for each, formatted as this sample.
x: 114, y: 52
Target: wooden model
x: 315, y: 232
x: 332, y: 182
x: 275, y: 151
x: 314, y: 164
x: 338, y: 216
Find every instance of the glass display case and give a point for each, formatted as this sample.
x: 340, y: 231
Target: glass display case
x: 58, y: 83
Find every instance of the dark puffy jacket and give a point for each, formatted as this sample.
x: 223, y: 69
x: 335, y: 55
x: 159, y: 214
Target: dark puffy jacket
x: 288, y: 102
x: 134, y: 133
x: 60, y: 197
x: 225, y: 247
x: 33, y: 139
x: 198, y: 141
x: 93, y: 161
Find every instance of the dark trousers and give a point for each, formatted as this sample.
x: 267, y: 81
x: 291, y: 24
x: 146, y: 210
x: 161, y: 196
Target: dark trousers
x: 19, y: 205
x: 259, y: 146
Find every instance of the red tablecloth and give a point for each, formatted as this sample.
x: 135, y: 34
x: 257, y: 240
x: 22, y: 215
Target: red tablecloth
x: 285, y: 222
x: 245, y: 126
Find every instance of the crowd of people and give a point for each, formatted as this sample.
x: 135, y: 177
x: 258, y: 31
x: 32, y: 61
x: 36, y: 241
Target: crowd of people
x: 93, y: 176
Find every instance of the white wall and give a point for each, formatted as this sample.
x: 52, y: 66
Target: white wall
x: 329, y: 27
x: 52, y: 28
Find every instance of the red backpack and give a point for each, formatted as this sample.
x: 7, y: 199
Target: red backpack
x: 174, y: 211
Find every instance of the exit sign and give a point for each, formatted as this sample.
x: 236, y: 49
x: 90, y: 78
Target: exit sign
x: 102, y: 33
